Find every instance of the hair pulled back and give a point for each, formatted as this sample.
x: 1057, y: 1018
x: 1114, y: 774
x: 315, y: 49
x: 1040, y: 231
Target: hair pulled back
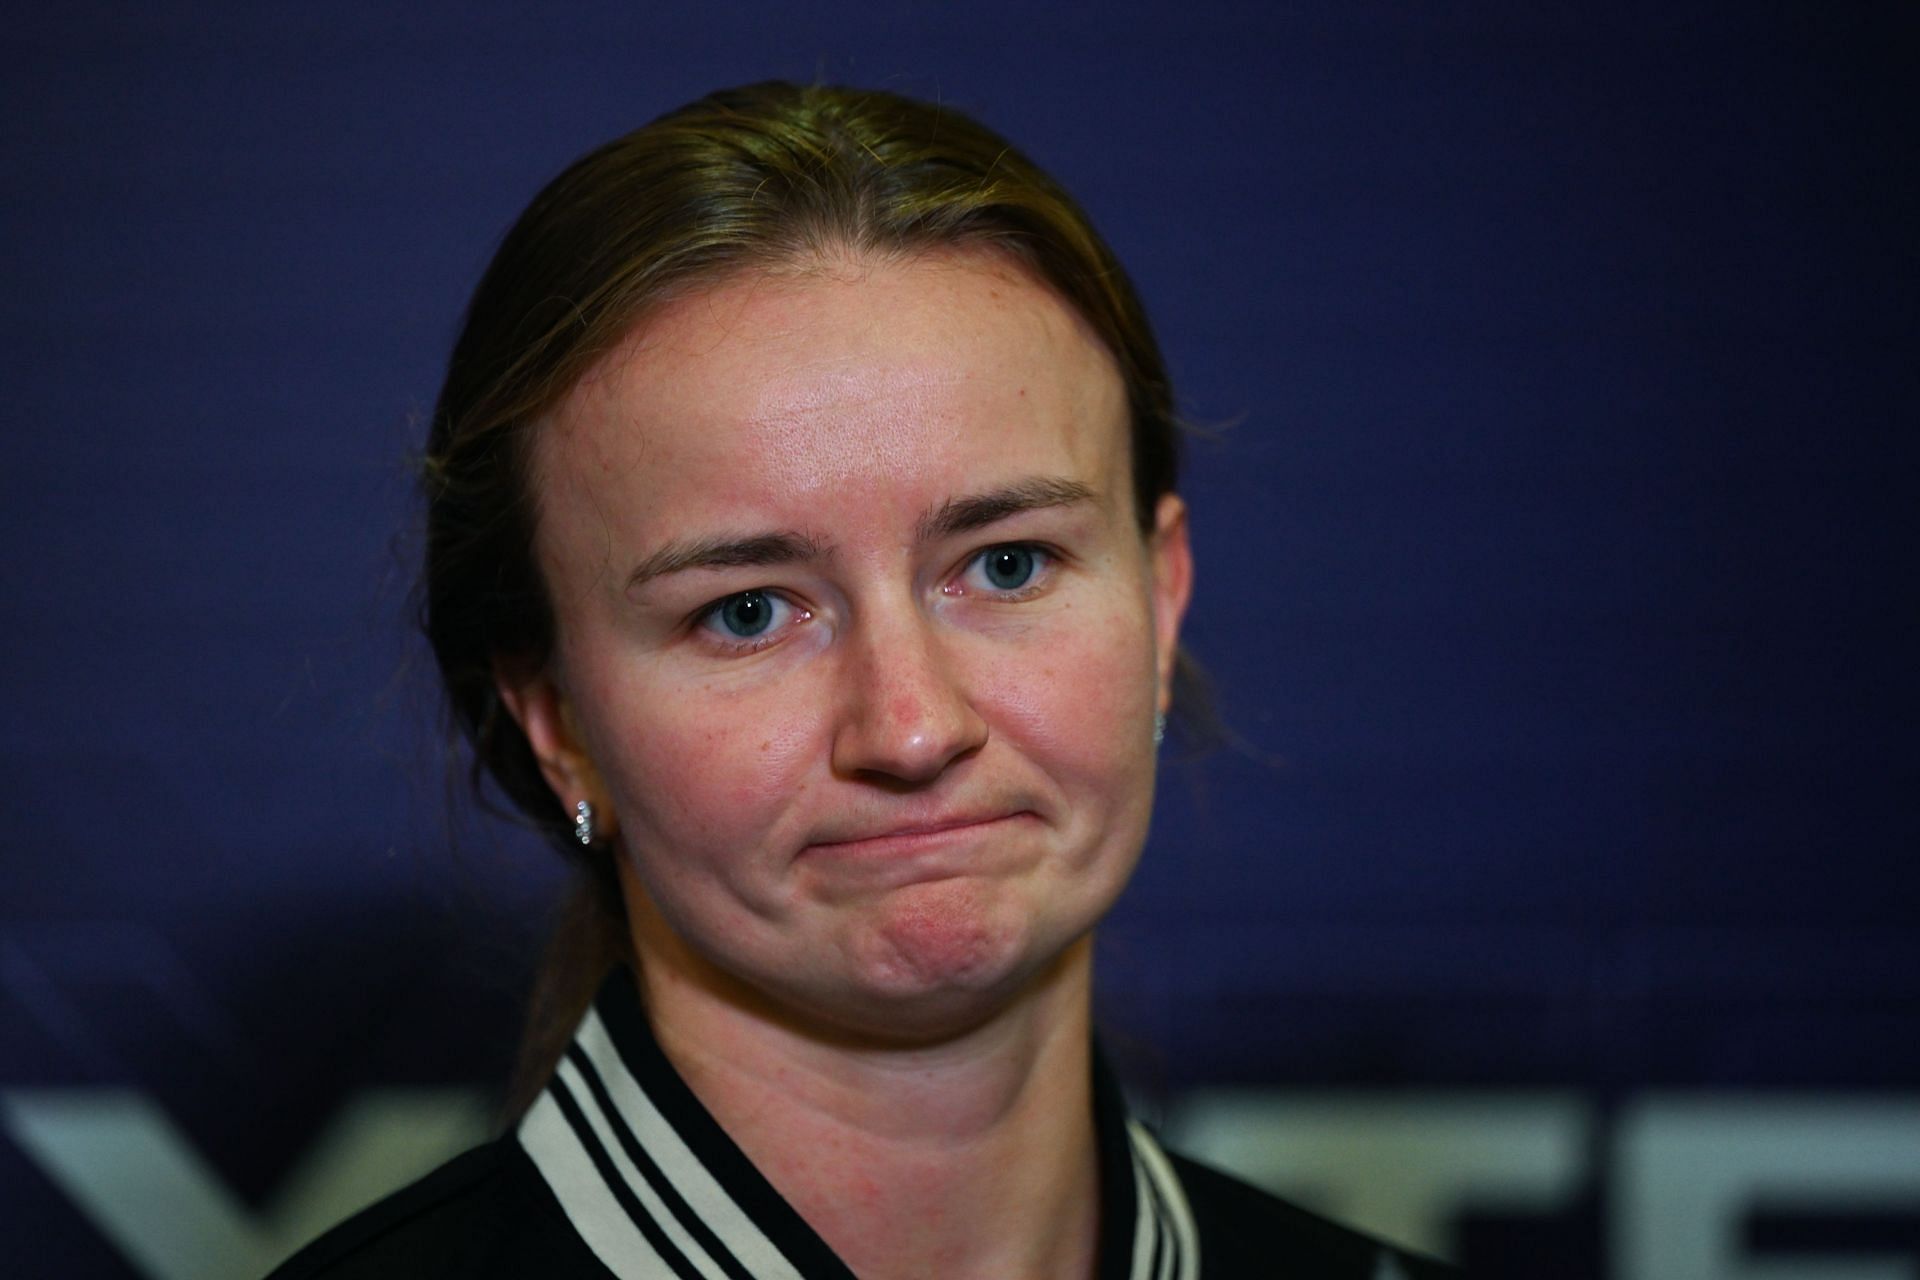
x: 757, y: 177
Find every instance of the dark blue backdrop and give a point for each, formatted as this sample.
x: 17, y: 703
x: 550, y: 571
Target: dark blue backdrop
x: 1556, y: 543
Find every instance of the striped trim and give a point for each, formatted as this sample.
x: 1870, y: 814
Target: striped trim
x: 757, y: 1257
x: 633, y: 1188
x: 1146, y: 1226
x: 658, y: 1201
x: 1177, y: 1243
x: 584, y: 1194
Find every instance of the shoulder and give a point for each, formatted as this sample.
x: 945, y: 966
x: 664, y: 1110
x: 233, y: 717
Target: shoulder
x: 1245, y: 1231
x: 481, y: 1215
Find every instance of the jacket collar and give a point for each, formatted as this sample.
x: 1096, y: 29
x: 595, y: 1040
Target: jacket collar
x: 656, y: 1188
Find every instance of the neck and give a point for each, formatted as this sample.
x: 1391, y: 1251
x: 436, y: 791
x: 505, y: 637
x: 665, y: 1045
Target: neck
x: 983, y: 1141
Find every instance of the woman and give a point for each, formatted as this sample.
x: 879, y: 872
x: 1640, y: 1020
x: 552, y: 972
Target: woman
x: 804, y: 556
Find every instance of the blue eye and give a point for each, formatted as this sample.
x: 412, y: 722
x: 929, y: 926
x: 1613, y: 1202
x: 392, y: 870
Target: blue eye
x: 746, y: 614
x: 1009, y: 567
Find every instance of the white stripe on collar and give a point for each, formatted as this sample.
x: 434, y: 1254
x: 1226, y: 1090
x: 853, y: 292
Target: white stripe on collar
x: 1181, y: 1240
x: 1146, y: 1224
x: 622, y: 1213
x: 584, y: 1195
x: 698, y: 1187
x: 680, y: 1240
x: 650, y: 1208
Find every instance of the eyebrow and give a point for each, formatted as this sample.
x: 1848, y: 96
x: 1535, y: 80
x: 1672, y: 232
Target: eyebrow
x: 725, y: 553
x: 954, y: 516
x: 960, y: 515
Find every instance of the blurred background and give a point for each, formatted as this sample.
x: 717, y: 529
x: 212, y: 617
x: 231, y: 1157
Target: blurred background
x: 1554, y: 905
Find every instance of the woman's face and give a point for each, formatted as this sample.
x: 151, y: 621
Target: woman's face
x: 859, y: 644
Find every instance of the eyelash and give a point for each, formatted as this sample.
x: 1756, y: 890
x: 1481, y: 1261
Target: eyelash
x: 1046, y: 561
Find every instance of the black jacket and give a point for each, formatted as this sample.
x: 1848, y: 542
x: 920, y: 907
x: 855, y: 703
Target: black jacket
x: 617, y: 1170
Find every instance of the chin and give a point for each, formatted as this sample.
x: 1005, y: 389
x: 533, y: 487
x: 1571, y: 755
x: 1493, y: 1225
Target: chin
x: 929, y: 970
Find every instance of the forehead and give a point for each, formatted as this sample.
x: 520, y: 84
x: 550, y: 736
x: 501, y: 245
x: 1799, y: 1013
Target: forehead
x: 858, y: 379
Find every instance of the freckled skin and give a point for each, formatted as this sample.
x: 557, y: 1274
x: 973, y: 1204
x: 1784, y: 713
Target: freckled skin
x: 844, y: 403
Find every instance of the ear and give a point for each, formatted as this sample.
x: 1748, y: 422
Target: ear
x: 540, y: 706
x: 1170, y: 559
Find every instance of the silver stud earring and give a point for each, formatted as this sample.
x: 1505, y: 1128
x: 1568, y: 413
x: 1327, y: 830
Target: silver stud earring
x: 1159, y: 727
x: 583, y: 822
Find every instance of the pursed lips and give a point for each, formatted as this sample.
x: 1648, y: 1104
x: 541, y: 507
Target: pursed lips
x: 905, y: 837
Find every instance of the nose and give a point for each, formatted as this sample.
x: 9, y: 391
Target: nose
x: 906, y: 715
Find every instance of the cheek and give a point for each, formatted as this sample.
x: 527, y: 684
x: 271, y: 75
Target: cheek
x: 695, y: 767
x: 1085, y: 696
